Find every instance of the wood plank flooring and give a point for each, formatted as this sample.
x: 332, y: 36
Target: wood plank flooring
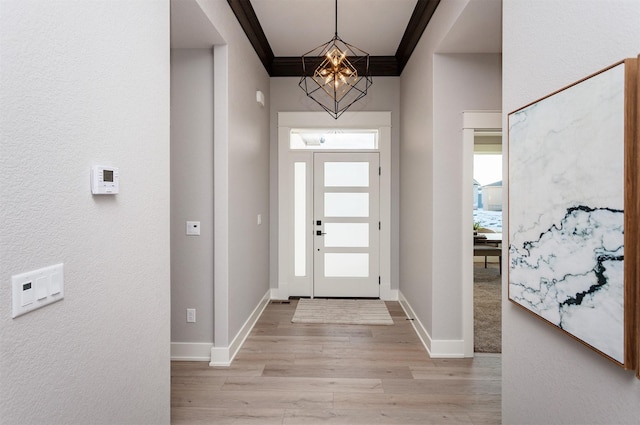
x: 290, y: 374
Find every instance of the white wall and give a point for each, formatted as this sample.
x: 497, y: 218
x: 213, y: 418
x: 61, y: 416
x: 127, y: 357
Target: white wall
x: 435, y: 90
x: 384, y: 95
x: 416, y: 173
x: 245, y: 150
x: 470, y: 82
x: 85, y: 83
x: 192, y: 194
x: 548, y: 377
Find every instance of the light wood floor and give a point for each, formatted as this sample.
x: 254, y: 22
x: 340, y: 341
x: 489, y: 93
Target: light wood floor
x: 290, y: 373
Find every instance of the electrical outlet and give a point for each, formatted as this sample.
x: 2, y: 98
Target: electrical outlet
x: 193, y: 228
x: 191, y: 315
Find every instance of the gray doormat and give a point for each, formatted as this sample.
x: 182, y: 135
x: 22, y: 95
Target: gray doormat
x: 341, y: 311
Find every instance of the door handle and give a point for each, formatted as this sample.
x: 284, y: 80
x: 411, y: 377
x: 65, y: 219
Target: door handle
x: 320, y: 233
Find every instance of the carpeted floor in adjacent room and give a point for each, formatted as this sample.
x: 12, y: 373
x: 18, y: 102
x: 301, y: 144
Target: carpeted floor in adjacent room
x: 487, y: 309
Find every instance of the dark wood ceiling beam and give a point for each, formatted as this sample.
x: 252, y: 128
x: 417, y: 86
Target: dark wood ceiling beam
x: 291, y: 66
x: 420, y: 18
x: 249, y: 22
x: 383, y: 66
x: 379, y: 66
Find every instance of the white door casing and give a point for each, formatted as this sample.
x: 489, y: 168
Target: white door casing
x: 295, y: 272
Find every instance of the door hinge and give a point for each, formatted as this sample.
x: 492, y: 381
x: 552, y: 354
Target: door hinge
x: 379, y: 226
x: 379, y: 280
x: 379, y: 171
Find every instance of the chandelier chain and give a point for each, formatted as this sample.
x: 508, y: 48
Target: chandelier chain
x: 336, y: 18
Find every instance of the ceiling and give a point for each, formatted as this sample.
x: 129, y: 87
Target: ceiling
x: 283, y: 30
x: 294, y: 27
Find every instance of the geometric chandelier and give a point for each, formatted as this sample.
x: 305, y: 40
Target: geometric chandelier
x: 335, y: 74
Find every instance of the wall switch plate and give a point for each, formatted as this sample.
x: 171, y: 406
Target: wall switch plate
x: 191, y: 315
x: 193, y: 228
x: 259, y: 219
x: 37, y: 288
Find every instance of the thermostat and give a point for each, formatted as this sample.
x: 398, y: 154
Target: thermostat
x: 104, y: 180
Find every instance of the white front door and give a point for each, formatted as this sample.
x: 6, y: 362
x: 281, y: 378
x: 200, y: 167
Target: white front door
x: 346, y: 225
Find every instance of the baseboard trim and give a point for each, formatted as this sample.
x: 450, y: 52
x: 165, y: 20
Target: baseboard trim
x: 389, y: 295
x: 191, y: 351
x: 445, y: 349
x: 223, y: 356
x: 424, y: 336
x: 280, y: 293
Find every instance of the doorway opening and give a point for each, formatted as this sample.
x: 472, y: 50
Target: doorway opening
x: 487, y: 241
x: 474, y: 123
x: 334, y: 206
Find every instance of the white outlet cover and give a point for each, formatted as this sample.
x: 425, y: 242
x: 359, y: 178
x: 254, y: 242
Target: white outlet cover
x: 191, y: 315
x: 193, y: 228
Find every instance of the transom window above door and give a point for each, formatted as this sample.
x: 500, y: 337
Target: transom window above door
x: 333, y: 139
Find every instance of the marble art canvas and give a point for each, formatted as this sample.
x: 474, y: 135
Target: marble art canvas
x: 566, y: 210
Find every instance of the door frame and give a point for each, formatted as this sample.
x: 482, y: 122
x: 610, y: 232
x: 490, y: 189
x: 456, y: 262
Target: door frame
x: 288, y: 284
x: 472, y: 121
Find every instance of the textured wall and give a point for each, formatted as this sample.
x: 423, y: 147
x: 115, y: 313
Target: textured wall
x: 85, y: 83
x: 436, y: 89
x: 548, y: 377
x: 462, y: 82
x: 418, y: 247
x: 192, y: 193
x: 247, y: 154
